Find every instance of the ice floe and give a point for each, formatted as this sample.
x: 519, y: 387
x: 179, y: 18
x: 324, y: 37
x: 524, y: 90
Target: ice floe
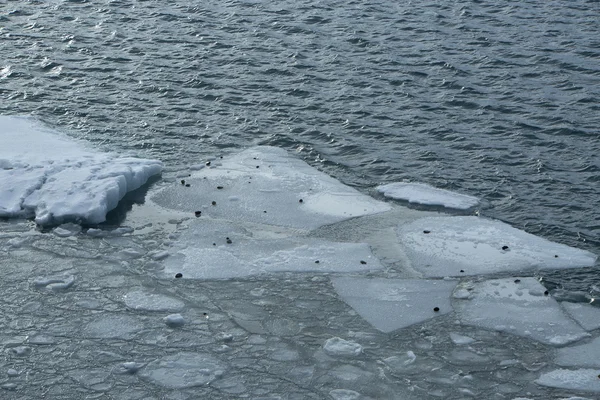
x: 342, y: 348
x: 583, y: 355
x: 586, y: 315
x: 390, y: 304
x: 457, y: 246
x: 142, y: 300
x: 217, y: 249
x: 266, y: 185
x: 519, y: 306
x: 183, y: 370
x: 580, y: 379
x: 174, y: 320
x: 56, y: 179
x: 421, y: 193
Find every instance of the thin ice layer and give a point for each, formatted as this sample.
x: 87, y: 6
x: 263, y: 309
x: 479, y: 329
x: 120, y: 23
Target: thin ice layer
x: 583, y: 355
x: 518, y: 306
x: 580, y: 379
x: 266, y: 185
x: 421, y: 193
x: 55, y: 179
x: 457, y: 246
x: 390, y: 304
x: 216, y: 249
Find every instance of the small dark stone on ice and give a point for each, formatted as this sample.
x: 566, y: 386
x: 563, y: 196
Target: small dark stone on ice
x: 504, y: 247
x: 426, y: 231
x: 214, y: 203
x: 183, y: 181
x: 214, y: 244
x: 219, y: 187
x: 555, y: 256
x: 436, y: 309
x: 546, y: 293
x: 517, y: 280
x: 300, y: 201
x: 178, y: 275
x: 265, y: 210
x: 462, y: 270
x: 363, y: 262
x: 228, y: 241
x: 198, y: 213
x: 316, y: 262
x: 257, y: 166
x: 187, y: 185
x: 207, y: 163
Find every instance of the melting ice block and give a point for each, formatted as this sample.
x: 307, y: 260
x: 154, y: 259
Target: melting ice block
x: 421, y: 193
x: 390, y: 304
x: 457, y: 246
x: 217, y: 249
x: 55, y: 179
x: 518, y: 306
x: 584, y: 355
x: 580, y: 379
x: 266, y: 185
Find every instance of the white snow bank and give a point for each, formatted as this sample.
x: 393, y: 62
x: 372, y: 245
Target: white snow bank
x: 217, y: 249
x: 266, y: 185
x: 390, y: 304
x: 56, y: 179
x: 456, y: 246
x: 581, y: 379
x: 519, y: 306
x: 421, y: 193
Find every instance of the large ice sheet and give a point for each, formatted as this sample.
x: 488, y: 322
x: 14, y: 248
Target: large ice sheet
x: 457, y: 246
x: 217, y: 249
x: 390, y: 304
x: 581, y: 379
x: 266, y: 185
x: 55, y: 179
x: 583, y: 355
x: 518, y: 306
x: 421, y: 193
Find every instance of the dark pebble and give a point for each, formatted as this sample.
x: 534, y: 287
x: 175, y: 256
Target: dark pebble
x: 363, y: 262
x: 504, y: 247
x: 187, y: 185
x: 207, y: 163
x: 316, y: 262
x: 257, y: 166
x: 546, y: 293
x: 436, y: 309
x: 265, y: 210
x: 214, y: 244
x: 517, y: 280
x: 300, y: 201
x: 462, y: 270
x: 555, y: 256
x: 219, y: 187
x: 228, y: 241
x: 214, y: 203
x: 426, y: 231
x: 178, y: 275
x: 183, y: 181
x: 198, y: 213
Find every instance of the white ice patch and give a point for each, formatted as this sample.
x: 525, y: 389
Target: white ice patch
x: 342, y: 348
x: 213, y: 249
x: 55, y: 283
x: 56, y: 179
x: 586, y: 315
x: 584, y: 355
x: 183, y: 370
x: 518, y: 306
x: 460, y: 339
x: 266, y: 185
x: 457, y: 246
x: 141, y: 300
x: 174, y: 320
x: 390, y: 304
x: 421, y: 193
x: 580, y: 379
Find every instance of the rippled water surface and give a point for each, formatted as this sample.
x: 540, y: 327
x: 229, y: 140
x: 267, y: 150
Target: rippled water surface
x: 497, y: 100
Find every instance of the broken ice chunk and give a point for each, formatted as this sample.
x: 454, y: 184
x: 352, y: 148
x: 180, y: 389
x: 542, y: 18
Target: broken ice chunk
x: 421, y: 193
x: 584, y: 355
x: 580, y: 379
x: 183, y: 370
x: 342, y: 348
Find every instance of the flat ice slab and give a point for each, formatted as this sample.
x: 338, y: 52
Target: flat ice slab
x: 390, y: 304
x: 580, y: 379
x: 217, y: 249
x: 583, y: 355
x: 518, y: 306
x: 266, y: 185
x: 421, y: 193
x: 183, y: 370
x: 56, y: 179
x: 458, y: 246
x: 586, y: 315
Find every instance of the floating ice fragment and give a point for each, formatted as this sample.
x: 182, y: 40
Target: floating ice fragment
x: 67, y: 182
x: 344, y: 394
x: 586, y: 315
x: 519, y: 308
x: 66, y: 230
x: 174, y: 320
x: 586, y: 380
x: 390, y: 304
x: 131, y: 367
x: 458, y: 246
x: 55, y: 282
x: 12, y: 372
x: 428, y: 195
x: 460, y: 339
x: 584, y: 355
x: 110, y: 326
x: 21, y: 351
x: 342, y: 348
x: 275, y: 187
x: 183, y: 370
x: 141, y: 300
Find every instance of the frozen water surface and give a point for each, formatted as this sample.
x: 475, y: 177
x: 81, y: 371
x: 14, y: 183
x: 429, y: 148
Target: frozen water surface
x: 458, y: 246
x: 586, y: 315
x: 581, y: 355
x: 579, y: 379
x: 520, y: 306
x: 279, y: 307
x: 421, y: 193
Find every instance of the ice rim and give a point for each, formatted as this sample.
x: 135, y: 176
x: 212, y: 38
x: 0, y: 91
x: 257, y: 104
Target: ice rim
x: 54, y: 179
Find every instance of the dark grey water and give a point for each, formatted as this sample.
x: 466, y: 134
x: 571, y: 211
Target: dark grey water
x: 497, y: 100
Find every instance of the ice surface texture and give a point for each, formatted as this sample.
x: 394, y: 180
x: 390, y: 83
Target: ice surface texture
x: 266, y: 185
x: 458, y: 246
x: 581, y: 379
x: 421, y: 193
x: 55, y: 179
